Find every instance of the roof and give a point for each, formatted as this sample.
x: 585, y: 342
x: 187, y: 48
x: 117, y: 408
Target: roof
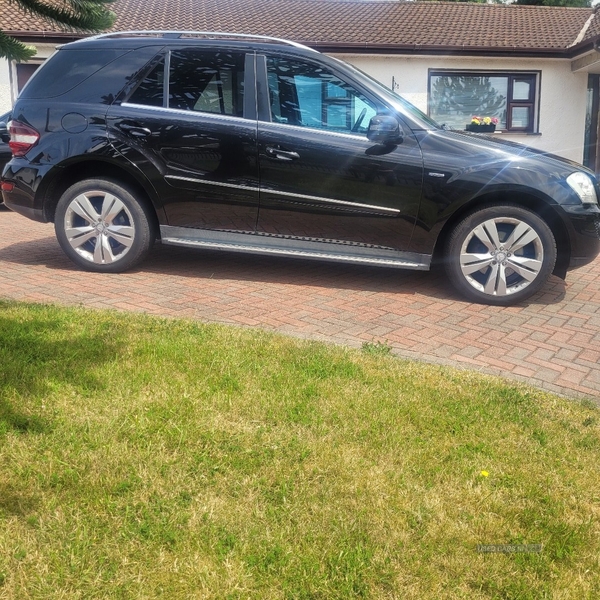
x: 355, y: 25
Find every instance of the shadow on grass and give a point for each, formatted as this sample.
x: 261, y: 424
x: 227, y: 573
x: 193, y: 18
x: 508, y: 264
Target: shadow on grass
x: 20, y: 422
x: 14, y: 501
x: 45, y: 350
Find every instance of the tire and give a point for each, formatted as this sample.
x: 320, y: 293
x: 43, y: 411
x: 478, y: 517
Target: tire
x: 101, y: 226
x: 500, y: 254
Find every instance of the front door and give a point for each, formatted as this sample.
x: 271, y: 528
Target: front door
x: 189, y: 127
x: 321, y: 179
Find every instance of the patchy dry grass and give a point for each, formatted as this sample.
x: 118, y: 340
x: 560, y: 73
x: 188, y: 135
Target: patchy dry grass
x: 146, y: 458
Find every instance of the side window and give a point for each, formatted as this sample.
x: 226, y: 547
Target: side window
x: 151, y: 90
x: 207, y: 82
x: 307, y: 95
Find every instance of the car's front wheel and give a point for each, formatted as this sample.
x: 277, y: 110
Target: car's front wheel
x: 500, y: 254
x: 101, y: 226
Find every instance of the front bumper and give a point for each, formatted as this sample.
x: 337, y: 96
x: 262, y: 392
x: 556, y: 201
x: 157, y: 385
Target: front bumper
x: 584, y: 226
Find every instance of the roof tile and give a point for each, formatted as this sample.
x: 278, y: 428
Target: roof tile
x: 354, y: 22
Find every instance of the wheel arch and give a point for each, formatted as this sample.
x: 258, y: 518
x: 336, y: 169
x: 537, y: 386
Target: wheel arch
x: 64, y: 176
x: 523, y: 199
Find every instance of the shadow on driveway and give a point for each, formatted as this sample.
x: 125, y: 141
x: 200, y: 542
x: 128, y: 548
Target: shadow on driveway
x: 212, y: 264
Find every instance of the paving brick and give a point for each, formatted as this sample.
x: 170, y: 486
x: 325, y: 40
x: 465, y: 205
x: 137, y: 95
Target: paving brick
x: 523, y: 372
x: 518, y: 353
x: 470, y: 351
x: 570, y: 376
x: 552, y: 341
x: 543, y: 354
x: 568, y: 355
x: 539, y: 336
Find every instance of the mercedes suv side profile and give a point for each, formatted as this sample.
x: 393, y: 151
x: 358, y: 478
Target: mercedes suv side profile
x: 253, y: 144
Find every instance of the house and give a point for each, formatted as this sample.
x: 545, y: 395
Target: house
x: 537, y: 69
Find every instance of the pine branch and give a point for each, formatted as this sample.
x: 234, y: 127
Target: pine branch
x: 14, y: 50
x: 90, y: 15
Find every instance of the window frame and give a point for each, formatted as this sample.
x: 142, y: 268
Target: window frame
x: 532, y: 103
x: 326, y: 101
x: 165, y: 58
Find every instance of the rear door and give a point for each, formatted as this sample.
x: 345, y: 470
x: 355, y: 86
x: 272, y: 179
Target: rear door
x: 191, y: 126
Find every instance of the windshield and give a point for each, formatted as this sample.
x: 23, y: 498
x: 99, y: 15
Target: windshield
x: 415, y: 112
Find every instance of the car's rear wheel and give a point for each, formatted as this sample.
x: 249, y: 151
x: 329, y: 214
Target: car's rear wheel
x: 101, y: 226
x: 500, y: 254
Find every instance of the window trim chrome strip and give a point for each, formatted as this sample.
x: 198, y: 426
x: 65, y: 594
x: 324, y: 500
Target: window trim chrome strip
x: 299, y: 128
x: 181, y: 111
x: 229, y: 118
x: 393, y: 211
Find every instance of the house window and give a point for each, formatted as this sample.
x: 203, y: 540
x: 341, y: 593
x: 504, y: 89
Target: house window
x: 510, y: 97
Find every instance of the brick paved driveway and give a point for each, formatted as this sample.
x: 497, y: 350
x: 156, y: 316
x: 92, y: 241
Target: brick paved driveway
x: 553, y: 341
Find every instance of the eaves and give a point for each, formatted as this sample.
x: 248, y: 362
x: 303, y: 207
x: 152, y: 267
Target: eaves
x: 49, y: 37
x: 45, y: 37
x: 437, y: 50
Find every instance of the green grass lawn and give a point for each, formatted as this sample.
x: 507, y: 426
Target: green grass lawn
x: 149, y: 458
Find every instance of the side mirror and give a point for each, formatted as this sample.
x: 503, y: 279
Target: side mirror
x: 384, y: 129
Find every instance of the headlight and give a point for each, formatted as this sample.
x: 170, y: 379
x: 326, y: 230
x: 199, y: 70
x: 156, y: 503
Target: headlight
x: 583, y: 186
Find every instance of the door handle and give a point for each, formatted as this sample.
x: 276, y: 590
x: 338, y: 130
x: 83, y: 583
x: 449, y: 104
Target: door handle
x: 279, y: 154
x: 134, y: 130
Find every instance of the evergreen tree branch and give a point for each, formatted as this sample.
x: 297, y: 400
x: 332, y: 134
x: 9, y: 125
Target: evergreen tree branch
x: 13, y: 49
x: 89, y: 15
x: 83, y: 15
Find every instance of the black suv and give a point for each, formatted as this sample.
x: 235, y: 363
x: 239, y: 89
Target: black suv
x: 260, y: 145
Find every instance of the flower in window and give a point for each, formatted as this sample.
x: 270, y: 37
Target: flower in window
x: 475, y: 120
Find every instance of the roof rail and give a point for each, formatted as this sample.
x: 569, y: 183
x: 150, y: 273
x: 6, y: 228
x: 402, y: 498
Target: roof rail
x: 182, y: 34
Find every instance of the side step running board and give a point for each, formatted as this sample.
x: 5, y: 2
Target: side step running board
x: 297, y: 252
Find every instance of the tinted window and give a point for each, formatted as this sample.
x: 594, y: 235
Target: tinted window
x: 150, y: 92
x: 67, y: 69
x: 207, y: 82
x: 308, y: 95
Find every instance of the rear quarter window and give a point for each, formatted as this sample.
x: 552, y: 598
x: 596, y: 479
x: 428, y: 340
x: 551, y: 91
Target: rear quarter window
x: 66, y: 69
x: 89, y: 76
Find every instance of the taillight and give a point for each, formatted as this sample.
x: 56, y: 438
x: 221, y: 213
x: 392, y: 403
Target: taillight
x: 22, y: 138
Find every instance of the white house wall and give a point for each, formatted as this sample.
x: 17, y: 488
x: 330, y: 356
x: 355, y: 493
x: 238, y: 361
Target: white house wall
x: 562, y: 94
x: 5, y: 102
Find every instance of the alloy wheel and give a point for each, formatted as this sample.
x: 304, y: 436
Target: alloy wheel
x: 99, y: 227
x: 501, y: 256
